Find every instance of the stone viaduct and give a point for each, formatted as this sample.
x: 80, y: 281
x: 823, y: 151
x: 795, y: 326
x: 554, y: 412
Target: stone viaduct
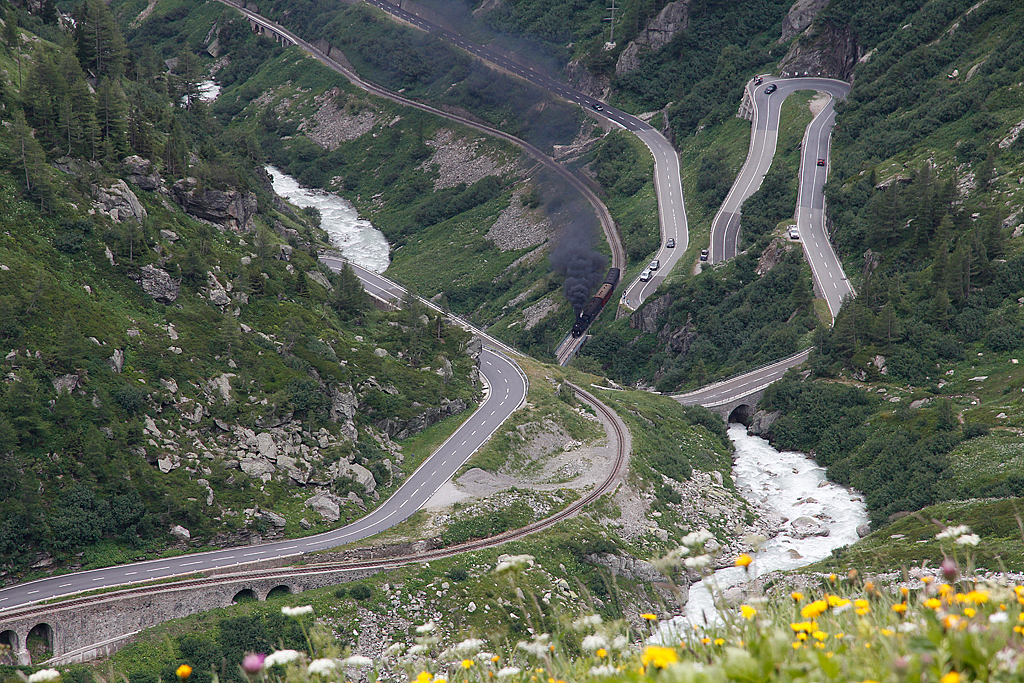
x: 78, y: 630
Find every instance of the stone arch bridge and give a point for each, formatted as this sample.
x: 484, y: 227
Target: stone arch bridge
x: 82, y: 629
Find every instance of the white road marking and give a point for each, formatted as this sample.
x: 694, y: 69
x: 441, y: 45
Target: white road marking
x: 189, y: 564
x: 126, y: 574
x: 158, y: 569
x: 29, y: 593
x: 64, y: 585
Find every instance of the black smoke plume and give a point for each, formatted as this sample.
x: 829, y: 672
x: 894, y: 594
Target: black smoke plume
x: 576, y: 229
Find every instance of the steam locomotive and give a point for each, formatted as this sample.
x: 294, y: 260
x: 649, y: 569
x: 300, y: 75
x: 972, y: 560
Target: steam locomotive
x: 596, y: 303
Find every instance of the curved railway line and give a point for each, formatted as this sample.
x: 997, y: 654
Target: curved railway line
x: 618, y: 431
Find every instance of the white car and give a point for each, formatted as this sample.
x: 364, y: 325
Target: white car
x: 794, y: 234
x: 645, y: 276
x: 654, y: 265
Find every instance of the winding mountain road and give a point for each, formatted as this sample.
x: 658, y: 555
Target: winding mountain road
x: 810, y: 211
x: 505, y: 391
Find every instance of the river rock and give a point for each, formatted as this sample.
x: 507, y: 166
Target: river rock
x: 761, y: 422
x: 808, y: 526
x: 863, y: 530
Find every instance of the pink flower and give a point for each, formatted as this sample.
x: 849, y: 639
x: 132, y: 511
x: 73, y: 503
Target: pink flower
x: 949, y: 569
x: 253, y: 662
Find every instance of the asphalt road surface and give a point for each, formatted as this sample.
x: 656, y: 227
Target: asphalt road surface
x: 668, y: 185
x: 505, y: 392
x: 725, y: 229
x: 748, y: 383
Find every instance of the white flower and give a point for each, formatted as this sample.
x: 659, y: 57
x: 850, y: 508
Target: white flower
x: 395, y: 649
x: 484, y: 656
x: 698, y: 562
x: 281, y: 657
x: 418, y: 649
x: 357, y: 660
x: 695, y: 537
x: 603, y: 670
x: 322, y: 667
x: 44, y: 675
x: 589, y: 621
x: 468, y: 647
x: 998, y: 618
x: 297, y: 611
x: 537, y: 648
x: 425, y: 628
x: 969, y: 539
x: 953, y: 532
x: 619, y: 642
x: 907, y: 627
x: 593, y: 643
x: 508, y: 671
x: 507, y: 562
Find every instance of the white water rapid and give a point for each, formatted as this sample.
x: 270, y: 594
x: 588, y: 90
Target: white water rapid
x: 789, y: 485
x: 354, y: 237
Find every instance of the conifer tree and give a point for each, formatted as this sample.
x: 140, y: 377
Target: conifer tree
x: 101, y: 48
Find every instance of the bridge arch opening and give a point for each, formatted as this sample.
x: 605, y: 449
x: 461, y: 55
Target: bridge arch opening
x: 246, y: 595
x: 8, y: 648
x: 741, y: 414
x: 39, y: 642
x: 278, y: 592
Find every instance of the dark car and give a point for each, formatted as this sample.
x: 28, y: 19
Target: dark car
x: 770, y: 89
x: 758, y: 80
x: 670, y: 243
x: 821, y: 162
x: 596, y: 106
x: 703, y: 254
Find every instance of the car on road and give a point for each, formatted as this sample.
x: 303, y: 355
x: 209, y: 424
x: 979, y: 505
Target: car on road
x: 770, y: 89
x: 703, y: 254
x: 654, y: 265
x: 671, y: 243
x: 794, y: 234
x: 821, y: 162
x: 758, y: 80
x: 645, y: 276
x: 596, y: 106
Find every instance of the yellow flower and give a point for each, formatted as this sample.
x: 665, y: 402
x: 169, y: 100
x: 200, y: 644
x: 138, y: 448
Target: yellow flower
x: 649, y: 617
x: 977, y: 597
x: 801, y: 636
x: 861, y: 606
x: 424, y: 677
x: 900, y: 607
x: 797, y: 645
x: 836, y: 601
x: 933, y: 603
x: 466, y: 663
x: 748, y: 612
x: 184, y: 671
x: 659, y: 657
x: 905, y: 591
x: 832, y: 578
x: 706, y: 641
x: 951, y: 677
x: 814, y: 609
x: 495, y: 659
x: 806, y: 626
x: 797, y: 596
x: 744, y: 561
x: 887, y: 632
x: 927, y: 580
x: 440, y: 680
x: 719, y: 641
x: 969, y: 612
x: 601, y: 652
x: 819, y: 635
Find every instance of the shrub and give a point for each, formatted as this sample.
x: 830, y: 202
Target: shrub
x: 361, y: 592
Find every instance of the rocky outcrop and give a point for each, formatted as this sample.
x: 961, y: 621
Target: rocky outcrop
x: 233, y: 210
x: 141, y: 174
x: 627, y: 567
x: 659, y: 31
x: 799, y: 17
x: 118, y: 202
x: 403, y: 429
x: 646, y: 319
x: 158, y: 284
x: 581, y: 79
x: 772, y: 256
x: 823, y: 50
x: 761, y: 422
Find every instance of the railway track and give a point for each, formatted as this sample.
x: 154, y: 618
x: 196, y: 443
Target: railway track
x: 619, y: 432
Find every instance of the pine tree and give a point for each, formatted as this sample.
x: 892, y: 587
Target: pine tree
x: 112, y: 113
x: 101, y: 48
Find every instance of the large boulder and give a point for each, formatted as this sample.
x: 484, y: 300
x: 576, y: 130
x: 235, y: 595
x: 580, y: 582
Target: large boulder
x: 141, y: 174
x: 761, y: 422
x: 327, y: 505
x: 118, y: 202
x: 159, y: 284
x: 343, y: 404
x: 233, y: 209
x: 361, y: 475
x: 808, y: 526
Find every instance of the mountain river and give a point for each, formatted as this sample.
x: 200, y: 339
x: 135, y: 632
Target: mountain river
x: 789, y: 485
